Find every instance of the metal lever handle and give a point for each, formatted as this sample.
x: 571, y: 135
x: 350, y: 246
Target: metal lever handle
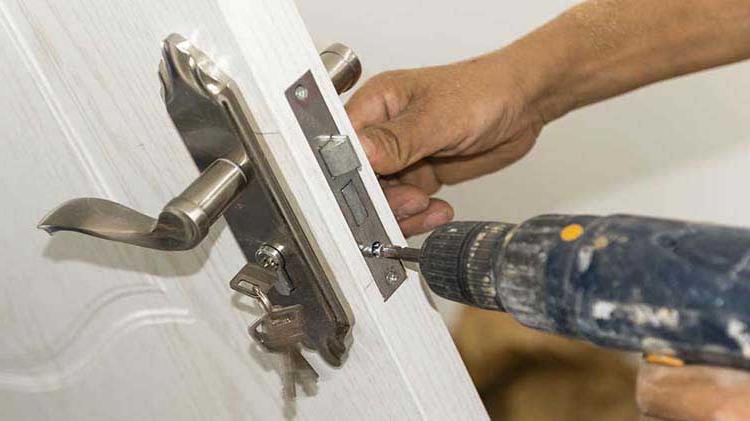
x: 196, y: 95
x: 181, y: 225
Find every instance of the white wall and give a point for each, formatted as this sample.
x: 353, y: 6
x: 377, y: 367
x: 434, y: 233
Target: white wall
x: 679, y: 149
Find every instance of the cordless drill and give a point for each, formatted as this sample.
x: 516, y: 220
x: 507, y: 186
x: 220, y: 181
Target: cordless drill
x: 677, y: 291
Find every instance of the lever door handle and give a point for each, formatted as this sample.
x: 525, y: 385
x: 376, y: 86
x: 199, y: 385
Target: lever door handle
x: 182, y: 224
x: 203, y: 106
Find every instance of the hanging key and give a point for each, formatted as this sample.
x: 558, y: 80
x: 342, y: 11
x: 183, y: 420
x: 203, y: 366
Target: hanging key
x: 250, y: 278
x: 281, y: 331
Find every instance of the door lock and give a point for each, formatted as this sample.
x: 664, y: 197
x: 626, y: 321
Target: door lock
x: 237, y: 182
x: 194, y: 93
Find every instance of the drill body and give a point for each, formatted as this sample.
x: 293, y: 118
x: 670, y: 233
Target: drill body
x: 664, y: 287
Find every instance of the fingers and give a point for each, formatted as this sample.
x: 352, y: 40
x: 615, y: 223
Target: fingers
x: 693, y: 393
x: 416, y: 212
x: 438, y: 213
x: 406, y: 200
x: 421, y: 175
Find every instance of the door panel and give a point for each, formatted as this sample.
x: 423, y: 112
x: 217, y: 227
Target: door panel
x: 93, y: 329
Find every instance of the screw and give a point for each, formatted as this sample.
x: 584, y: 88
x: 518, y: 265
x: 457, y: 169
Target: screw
x: 301, y: 93
x: 372, y: 250
x: 376, y: 248
x: 391, y: 277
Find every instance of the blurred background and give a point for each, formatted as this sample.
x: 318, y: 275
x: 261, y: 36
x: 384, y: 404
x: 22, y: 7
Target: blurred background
x: 679, y: 149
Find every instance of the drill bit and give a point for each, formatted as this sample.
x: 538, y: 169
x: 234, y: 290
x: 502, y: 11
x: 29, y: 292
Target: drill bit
x: 390, y: 251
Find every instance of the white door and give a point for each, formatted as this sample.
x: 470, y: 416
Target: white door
x: 93, y: 329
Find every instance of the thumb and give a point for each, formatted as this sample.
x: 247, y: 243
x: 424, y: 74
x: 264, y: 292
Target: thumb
x: 395, y: 144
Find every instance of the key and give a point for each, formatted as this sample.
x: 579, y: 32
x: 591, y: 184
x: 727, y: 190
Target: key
x: 250, y: 278
x: 280, y: 331
x: 263, y: 278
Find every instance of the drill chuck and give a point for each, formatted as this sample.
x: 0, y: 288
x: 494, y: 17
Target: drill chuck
x: 633, y: 283
x: 459, y: 262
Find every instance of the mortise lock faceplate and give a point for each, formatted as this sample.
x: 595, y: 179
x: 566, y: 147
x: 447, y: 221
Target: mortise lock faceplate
x: 237, y: 182
x: 340, y: 165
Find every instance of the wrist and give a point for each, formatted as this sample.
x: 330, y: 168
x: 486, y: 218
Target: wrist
x: 543, y: 68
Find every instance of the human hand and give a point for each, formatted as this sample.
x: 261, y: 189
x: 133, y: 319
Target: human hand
x: 693, y: 393
x: 423, y: 128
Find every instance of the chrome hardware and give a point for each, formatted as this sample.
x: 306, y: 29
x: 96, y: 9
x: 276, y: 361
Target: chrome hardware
x: 193, y: 92
x: 340, y: 165
x: 189, y: 90
x: 269, y: 257
x: 338, y: 154
x: 237, y: 182
x: 182, y: 224
x: 280, y: 330
x: 343, y: 66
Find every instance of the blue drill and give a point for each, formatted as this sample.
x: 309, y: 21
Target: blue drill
x: 677, y: 291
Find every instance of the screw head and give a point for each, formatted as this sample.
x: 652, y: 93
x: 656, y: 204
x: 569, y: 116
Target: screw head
x: 301, y: 93
x: 391, y: 277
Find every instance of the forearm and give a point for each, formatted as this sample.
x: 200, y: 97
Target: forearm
x: 602, y: 48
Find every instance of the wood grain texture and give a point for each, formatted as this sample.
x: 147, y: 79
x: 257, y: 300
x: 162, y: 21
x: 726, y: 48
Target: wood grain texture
x: 97, y: 330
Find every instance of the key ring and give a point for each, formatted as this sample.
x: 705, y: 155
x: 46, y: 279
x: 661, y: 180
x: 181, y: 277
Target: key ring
x: 239, y: 284
x: 262, y: 298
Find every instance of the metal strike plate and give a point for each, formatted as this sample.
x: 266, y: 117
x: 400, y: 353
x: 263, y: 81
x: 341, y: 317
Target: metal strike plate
x: 214, y: 121
x: 340, y: 165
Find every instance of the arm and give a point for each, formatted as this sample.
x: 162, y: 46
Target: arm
x: 422, y: 128
x: 603, y: 48
x: 426, y: 127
